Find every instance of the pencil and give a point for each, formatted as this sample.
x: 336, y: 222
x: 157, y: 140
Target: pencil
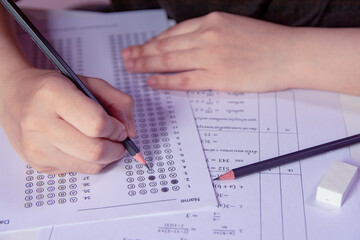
x: 289, y: 158
x: 64, y: 68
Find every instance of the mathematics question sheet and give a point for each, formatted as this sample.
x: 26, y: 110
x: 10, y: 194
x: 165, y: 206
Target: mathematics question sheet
x: 238, y: 129
x: 167, y: 136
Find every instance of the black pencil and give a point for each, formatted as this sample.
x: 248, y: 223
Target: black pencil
x: 64, y: 68
x: 289, y: 158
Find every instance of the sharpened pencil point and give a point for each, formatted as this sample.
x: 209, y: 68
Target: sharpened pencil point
x: 140, y: 158
x: 215, y: 179
x: 227, y: 176
x: 147, y: 166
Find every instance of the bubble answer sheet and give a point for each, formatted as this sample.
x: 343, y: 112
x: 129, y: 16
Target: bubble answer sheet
x: 167, y: 136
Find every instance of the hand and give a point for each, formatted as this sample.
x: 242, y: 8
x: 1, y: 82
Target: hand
x: 55, y: 128
x: 219, y: 51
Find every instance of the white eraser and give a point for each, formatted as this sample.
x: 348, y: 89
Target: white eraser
x: 336, y: 183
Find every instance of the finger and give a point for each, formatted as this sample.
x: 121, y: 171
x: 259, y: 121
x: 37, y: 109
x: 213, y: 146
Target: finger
x: 45, y: 169
x: 185, y: 27
x: 68, y: 163
x: 86, y: 115
x: 189, y: 80
x: 45, y: 157
x: 72, y: 142
x: 166, y: 62
x: 117, y: 103
x: 179, y: 29
x: 127, y: 118
x: 169, y: 44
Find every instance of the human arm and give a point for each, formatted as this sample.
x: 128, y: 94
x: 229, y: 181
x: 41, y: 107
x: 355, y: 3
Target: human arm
x: 233, y: 53
x: 50, y: 123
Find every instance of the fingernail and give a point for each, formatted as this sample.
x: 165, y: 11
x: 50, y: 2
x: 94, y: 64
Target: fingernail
x: 152, y: 81
x: 129, y: 64
x: 123, y: 136
x: 126, y: 53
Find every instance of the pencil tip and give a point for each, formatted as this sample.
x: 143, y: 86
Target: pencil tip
x: 226, y: 176
x: 140, y: 158
x: 215, y: 179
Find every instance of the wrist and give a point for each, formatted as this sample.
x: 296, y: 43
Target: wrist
x: 285, y: 58
x: 303, y: 58
x: 325, y: 59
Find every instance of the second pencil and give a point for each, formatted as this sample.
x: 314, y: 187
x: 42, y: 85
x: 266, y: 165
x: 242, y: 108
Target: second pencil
x: 289, y: 158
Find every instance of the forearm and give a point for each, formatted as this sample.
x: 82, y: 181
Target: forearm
x: 325, y: 59
x: 11, y: 57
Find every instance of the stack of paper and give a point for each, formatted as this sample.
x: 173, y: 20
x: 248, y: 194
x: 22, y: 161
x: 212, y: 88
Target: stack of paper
x: 127, y: 202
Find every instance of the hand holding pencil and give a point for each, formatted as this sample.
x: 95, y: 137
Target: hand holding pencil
x: 58, y: 129
x: 51, y: 124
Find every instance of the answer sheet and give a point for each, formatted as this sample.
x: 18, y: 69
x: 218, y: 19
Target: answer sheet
x: 239, y: 129
x: 167, y: 136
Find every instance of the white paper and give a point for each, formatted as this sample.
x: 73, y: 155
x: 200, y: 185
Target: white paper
x: 167, y: 137
x: 276, y: 204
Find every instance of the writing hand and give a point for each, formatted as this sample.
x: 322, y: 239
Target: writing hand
x: 55, y: 128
